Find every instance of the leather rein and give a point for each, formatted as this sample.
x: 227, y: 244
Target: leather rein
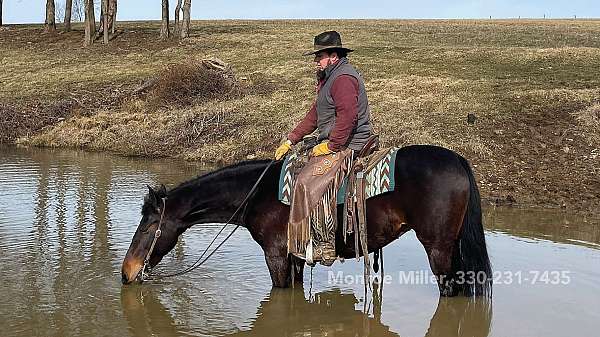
x: 200, y: 261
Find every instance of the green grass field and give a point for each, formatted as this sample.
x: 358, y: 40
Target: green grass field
x: 534, y: 86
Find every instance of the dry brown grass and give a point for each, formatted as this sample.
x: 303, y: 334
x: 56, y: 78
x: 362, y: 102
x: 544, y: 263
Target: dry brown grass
x: 534, y: 86
x: 589, y: 123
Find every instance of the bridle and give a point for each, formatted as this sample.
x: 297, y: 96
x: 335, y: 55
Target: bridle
x: 157, y: 233
x: 142, y: 273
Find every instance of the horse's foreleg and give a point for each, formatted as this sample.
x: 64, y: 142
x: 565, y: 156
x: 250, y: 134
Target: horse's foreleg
x: 280, y: 270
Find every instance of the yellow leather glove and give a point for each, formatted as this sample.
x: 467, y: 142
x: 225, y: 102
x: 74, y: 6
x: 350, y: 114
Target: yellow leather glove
x: 321, y: 149
x: 283, y: 149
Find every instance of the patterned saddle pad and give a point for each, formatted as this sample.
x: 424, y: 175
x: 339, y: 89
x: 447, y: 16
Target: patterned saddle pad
x: 379, y: 176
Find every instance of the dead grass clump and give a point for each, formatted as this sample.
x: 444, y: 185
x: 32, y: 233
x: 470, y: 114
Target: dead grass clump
x: 16, y: 121
x: 589, y: 122
x: 193, y: 82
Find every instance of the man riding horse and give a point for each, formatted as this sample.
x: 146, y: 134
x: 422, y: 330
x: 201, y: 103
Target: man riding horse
x: 340, y: 114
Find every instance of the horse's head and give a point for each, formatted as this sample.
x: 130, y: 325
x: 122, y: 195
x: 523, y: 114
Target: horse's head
x: 152, y: 212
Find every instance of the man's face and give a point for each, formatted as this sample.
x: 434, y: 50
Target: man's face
x: 323, y: 60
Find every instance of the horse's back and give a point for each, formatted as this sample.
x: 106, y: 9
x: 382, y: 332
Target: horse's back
x: 428, y: 176
x: 418, y: 160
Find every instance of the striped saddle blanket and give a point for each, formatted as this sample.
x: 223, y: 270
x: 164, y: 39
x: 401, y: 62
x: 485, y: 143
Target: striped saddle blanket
x: 379, y: 176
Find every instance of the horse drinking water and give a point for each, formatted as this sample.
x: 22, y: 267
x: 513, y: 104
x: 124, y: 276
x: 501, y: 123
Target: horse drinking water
x: 435, y: 195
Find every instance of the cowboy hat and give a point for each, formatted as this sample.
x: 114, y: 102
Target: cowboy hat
x: 327, y: 40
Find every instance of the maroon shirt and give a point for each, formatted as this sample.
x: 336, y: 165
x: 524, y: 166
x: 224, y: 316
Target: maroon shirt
x: 344, y: 92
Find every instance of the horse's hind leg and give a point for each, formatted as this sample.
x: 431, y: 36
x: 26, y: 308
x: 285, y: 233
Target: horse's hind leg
x: 440, y: 261
x: 438, y: 235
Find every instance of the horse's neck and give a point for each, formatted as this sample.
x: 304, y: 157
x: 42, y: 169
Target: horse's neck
x: 219, y: 197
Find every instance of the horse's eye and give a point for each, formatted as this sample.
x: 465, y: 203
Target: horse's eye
x: 145, y: 227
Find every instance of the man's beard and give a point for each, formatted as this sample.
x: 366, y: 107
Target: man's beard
x: 321, y: 74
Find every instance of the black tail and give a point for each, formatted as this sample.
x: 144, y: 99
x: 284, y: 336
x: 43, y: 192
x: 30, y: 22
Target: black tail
x: 470, y: 260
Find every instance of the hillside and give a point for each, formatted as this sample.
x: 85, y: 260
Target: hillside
x: 534, y: 87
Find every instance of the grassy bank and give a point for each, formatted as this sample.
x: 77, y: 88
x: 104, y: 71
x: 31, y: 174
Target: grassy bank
x: 534, y: 87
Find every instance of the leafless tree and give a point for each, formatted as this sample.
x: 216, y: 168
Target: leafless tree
x: 78, y: 12
x: 59, y: 12
x: 50, y: 23
x: 105, y: 20
x: 185, y: 26
x: 68, y: 12
x: 164, y: 28
x: 177, y: 27
x: 111, y: 9
x: 90, y: 23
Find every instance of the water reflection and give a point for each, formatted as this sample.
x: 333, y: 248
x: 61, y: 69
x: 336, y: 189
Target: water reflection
x: 58, y: 249
x: 557, y: 226
x: 145, y: 314
x: 66, y: 220
x: 291, y: 312
x: 464, y: 317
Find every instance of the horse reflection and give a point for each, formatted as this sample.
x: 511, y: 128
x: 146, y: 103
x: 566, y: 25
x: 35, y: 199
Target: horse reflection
x: 145, y: 314
x: 464, y: 317
x: 287, y: 312
x: 334, y: 313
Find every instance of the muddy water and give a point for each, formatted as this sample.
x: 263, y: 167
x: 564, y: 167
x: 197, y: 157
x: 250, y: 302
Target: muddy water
x: 66, y: 220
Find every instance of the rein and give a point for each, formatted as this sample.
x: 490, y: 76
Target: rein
x: 199, y: 262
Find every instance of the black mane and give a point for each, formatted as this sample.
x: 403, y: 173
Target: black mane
x: 224, y: 172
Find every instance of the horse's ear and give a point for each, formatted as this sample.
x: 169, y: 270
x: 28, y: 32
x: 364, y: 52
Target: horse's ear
x: 152, y: 196
x: 162, y: 191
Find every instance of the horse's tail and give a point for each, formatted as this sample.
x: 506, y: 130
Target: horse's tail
x: 470, y: 261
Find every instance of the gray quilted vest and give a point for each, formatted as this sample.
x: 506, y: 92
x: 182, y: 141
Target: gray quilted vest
x: 326, y: 108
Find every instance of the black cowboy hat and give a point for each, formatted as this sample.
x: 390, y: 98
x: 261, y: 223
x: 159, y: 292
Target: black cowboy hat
x: 327, y: 40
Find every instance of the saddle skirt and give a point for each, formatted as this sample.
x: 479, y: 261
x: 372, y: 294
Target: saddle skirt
x: 378, y: 175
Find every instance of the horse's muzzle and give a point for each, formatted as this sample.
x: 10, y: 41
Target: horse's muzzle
x: 130, y: 270
x: 124, y: 278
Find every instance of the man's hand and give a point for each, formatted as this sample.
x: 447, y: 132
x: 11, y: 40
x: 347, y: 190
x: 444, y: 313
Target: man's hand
x: 283, y: 149
x: 321, y: 149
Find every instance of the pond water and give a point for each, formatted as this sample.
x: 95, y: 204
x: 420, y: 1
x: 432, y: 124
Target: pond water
x: 67, y: 218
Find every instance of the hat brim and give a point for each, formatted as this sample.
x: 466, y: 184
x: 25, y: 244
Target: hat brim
x: 348, y: 50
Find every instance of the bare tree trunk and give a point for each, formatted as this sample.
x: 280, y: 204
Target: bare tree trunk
x: 105, y: 21
x: 112, y: 10
x: 177, y: 28
x: 100, y: 31
x: 68, y: 10
x: 108, y: 13
x: 79, y: 10
x: 164, y: 28
x: 185, y: 26
x: 50, y: 24
x: 90, y: 23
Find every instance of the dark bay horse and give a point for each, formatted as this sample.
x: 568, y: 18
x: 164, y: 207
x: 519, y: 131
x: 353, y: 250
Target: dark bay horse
x: 435, y: 195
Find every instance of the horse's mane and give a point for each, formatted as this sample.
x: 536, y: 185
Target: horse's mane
x: 224, y: 172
